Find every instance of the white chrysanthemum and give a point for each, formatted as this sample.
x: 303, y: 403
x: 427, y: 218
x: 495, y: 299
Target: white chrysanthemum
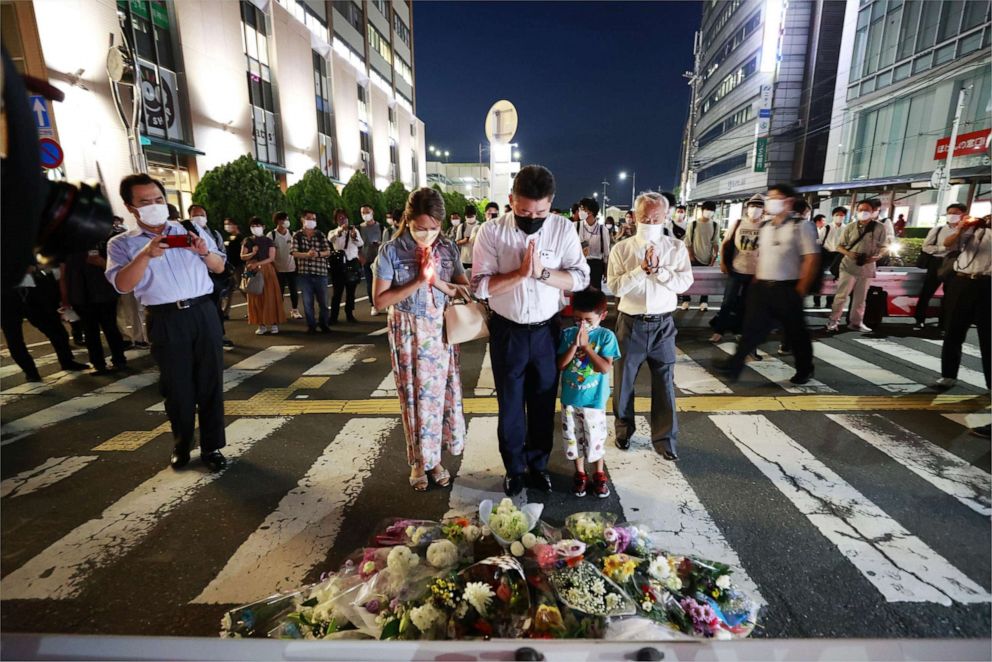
x: 723, y: 582
x: 442, y: 554
x: 425, y: 616
x: 479, y: 595
x: 517, y: 548
x: 505, y: 506
x: 472, y: 533
x: 659, y: 568
x: 673, y: 583
x: 401, y: 560
x: 612, y: 601
x: 529, y: 540
x: 541, y: 541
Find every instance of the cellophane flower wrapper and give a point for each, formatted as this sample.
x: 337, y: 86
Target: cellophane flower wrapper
x: 414, y: 533
x: 584, y: 588
x: 509, y: 610
x: 509, y: 525
x: 627, y: 537
x: 589, y: 527
x: 258, y: 618
x: 550, y: 619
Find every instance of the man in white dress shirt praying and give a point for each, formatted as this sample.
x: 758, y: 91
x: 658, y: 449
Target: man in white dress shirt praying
x: 648, y: 272
x: 521, y: 263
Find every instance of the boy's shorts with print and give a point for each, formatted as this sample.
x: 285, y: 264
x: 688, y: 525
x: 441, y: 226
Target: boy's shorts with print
x: 584, y: 432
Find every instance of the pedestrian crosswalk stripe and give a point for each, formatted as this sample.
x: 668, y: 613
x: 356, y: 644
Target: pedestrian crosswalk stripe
x: 387, y: 387
x: 778, y: 372
x: 654, y: 493
x: 339, y: 361
x: 922, y: 360
x: 942, y: 469
x: 900, y: 565
x: 18, y: 429
x: 266, y: 358
x: 380, y: 332
x: 480, y: 475
x: 876, y: 375
x: 60, y: 571
x: 486, y: 386
x: 299, y: 533
x: 973, y: 420
x: 692, y: 378
x: 12, y: 368
x: 60, y: 378
x: 44, y: 475
x: 966, y: 348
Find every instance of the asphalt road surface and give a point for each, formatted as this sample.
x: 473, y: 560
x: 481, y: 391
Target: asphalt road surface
x: 855, y: 506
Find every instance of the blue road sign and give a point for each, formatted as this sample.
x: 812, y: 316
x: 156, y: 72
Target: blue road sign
x: 39, y: 108
x: 51, y: 153
x: 765, y: 112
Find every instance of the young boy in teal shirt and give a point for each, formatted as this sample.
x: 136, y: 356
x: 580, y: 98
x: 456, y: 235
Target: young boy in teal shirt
x: 585, y: 357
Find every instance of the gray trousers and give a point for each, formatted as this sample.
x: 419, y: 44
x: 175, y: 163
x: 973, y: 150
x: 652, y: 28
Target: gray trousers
x: 651, y: 340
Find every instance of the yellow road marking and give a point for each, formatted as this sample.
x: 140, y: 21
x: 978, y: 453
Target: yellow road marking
x: 132, y: 440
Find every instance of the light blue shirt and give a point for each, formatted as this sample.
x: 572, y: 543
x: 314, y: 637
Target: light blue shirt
x: 399, y: 262
x: 581, y: 385
x: 178, y: 274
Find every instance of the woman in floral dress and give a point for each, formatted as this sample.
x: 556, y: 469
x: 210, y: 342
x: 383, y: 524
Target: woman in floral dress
x: 416, y: 273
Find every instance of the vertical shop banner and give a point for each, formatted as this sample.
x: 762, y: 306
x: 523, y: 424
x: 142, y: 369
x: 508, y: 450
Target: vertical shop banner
x: 160, y: 97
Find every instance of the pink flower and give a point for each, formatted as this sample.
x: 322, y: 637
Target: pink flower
x: 545, y: 555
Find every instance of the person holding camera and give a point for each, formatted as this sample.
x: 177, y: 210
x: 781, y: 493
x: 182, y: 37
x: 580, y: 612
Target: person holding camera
x: 168, y: 269
x: 967, y: 295
x: 259, y: 253
x: 862, y: 244
x: 346, y: 270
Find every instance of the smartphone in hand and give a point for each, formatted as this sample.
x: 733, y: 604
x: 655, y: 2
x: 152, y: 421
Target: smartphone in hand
x: 178, y: 240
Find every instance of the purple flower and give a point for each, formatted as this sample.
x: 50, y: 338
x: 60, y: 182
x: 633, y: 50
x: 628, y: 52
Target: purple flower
x: 394, y: 604
x: 373, y: 606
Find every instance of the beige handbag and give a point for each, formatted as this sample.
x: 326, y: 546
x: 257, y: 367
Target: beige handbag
x: 465, y: 321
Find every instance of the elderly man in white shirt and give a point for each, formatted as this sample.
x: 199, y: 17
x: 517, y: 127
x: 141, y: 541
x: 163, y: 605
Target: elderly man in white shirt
x: 648, y: 272
x: 522, y: 262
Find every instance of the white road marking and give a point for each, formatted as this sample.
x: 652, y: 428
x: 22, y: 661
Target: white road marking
x: 878, y: 376
x: 12, y: 368
x: 486, y: 388
x: 48, y: 473
x: 60, y: 571
x: 654, y: 493
x: 966, y: 348
x: 339, y: 361
x: 481, y: 473
x: 387, y: 387
x: 922, y: 360
x: 296, y: 536
x: 18, y: 429
x: 900, y: 565
x: 942, y: 469
x: 249, y: 367
x: 972, y: 420
x: 693, y: 379
x: 778, y: 372
x: 381, y: 332
x: 59, y: 378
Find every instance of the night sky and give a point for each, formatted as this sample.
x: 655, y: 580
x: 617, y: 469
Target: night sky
x: 598, y: 86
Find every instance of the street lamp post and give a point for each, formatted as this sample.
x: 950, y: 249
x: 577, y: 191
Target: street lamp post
x: 605, y: 199
x: 633, y: 185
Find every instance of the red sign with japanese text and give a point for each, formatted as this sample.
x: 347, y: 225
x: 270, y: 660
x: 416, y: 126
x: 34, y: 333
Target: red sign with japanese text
x: 975, y: 142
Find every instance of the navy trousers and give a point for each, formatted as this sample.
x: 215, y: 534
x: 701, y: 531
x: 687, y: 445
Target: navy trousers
x: 525, y: 372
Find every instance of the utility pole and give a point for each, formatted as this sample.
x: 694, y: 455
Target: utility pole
x: 605, y: 199
x: 633, y: 188
x: 945, y: 180
x: 690, y: 126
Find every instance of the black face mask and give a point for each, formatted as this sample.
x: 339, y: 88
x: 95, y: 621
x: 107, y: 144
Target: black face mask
x: 529, y: 225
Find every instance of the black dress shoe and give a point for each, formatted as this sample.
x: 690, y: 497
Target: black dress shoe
x: 325, y: 329
x: 351, y: 318
x: 214, y: 460
x: 802, y: 377
x: 75, y: 366
x: 541, y: 480
x: 180, y: 456
x: 100, y: 370
x: 671, y: 457
x: 34, y: 377
x: 623, y: 443
x: 513, y: 485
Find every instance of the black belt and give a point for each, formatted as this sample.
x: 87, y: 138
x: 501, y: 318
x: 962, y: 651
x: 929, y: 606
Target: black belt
x: 961, y: 274
x: 649, y: 318
x: 773, y: 283
x: 176, y: 306
x: 518, y: 325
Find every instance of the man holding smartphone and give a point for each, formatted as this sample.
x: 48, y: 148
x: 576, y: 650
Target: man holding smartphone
x: 168, y: 270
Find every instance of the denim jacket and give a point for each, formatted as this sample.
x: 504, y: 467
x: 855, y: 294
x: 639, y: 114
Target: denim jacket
x: 399, y: 262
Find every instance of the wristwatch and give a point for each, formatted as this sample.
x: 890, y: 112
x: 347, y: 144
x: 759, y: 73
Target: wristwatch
x: 545, y: 274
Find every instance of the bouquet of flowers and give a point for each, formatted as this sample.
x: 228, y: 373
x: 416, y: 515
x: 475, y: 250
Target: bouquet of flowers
x: 495, y: 600
x: 620, y: 538
x: 584, y: 588
x: 507, y: 522
x: 589, y: 527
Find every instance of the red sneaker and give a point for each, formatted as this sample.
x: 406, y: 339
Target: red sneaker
x: 579, y: 484
x: 599, y: 485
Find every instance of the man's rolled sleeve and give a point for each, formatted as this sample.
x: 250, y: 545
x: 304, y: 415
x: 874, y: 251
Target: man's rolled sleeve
x: 117, y: 258
x: 484, y: 261
x: 574, y: 262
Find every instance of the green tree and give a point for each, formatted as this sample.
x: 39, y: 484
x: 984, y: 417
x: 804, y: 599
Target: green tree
x: 480, y: 205
x: 395, y: 196
x: 359, y: 191
x: 317, y: 193
x: 239, y: 190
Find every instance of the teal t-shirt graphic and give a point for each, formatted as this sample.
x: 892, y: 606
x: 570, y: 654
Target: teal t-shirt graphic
x: 581, y: 385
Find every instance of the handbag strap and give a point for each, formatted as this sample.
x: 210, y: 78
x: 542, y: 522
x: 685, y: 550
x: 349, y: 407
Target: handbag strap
x: 868, y: 228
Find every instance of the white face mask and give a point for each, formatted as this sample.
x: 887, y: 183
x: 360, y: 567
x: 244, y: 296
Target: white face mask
x: 389, y: 221
x: 774, y: 206
x: 755, y: 212
x: 367, y: 217
x: 456, y: 222
x: 707, y: 213
x: 425, y: 237
x: 649, y: 232
x: 154, y: 215
x: 679, y: 215
x: 583, y: 214
x: 864, y: 215
x: 199, y: 221
x: 285, y: 224
x: 838, y: 220
x: 309, y: 224
x: 952, y: 219
x: 470, y: 220
x: 257, y: 231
